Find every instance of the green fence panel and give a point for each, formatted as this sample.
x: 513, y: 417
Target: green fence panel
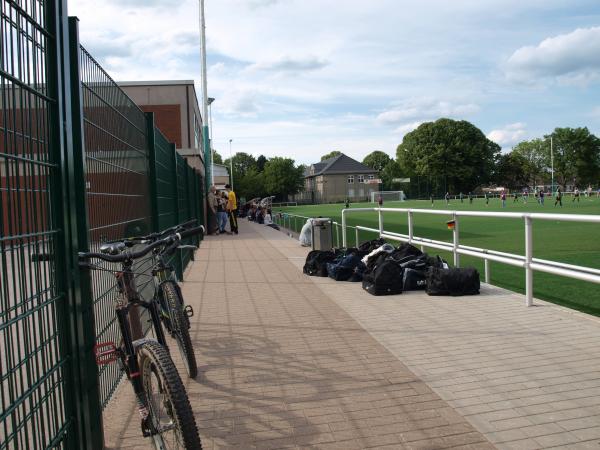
x: 118, y: 192
x: 37, y: 403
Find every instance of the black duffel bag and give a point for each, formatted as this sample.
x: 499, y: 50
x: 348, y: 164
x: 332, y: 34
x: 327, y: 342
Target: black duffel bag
x: 316, y: 262
x: 385, y: 279
x: 455, y: 282
x: 414, y: 279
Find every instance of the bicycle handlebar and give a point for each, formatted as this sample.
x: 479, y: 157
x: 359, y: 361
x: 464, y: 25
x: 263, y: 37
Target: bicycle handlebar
x: 129, y: 256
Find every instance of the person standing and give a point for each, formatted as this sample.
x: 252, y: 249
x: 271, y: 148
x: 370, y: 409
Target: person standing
x: 447, y: 198
x: 503, y: 198
x: 542, y: 197
x: 213, y: 219
x: 221, y: 212
x: 487, y: 198
x: 461, y: 197
x: 232, y: 209
x: 470, y: 198
x: 576, y: 195
x: 380, y: 201
x: 558, y: 198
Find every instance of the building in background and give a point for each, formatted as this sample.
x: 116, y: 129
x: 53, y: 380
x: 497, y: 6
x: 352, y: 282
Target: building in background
x: 337, y: 179
x: 220, y: 176
x: 176, y: 113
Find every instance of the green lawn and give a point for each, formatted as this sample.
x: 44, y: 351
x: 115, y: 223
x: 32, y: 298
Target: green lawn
x: 569, y: 242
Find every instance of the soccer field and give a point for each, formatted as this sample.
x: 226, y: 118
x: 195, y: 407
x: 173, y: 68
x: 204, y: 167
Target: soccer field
x: 568, y: 242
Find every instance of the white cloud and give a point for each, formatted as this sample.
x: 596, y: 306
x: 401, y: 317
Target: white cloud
x: 425, y: 108
x: 572, y: 58
x: 509, y: 135
x: 407, y: 128
x: 289, y: 64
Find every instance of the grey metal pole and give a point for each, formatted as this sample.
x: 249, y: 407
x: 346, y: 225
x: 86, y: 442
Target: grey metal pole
x: 528, y: 259
x: 230, y: 164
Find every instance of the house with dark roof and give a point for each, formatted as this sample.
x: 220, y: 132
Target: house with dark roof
x: 337, y: 179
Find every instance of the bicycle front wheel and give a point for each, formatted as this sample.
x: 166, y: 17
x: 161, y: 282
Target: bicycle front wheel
x: 180, y: 326
x: 171, y: 418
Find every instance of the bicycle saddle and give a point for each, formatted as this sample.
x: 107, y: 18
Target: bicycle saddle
x: 112, y: 248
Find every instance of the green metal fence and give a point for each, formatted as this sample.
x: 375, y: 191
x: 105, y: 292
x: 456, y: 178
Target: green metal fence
x: 35, y: 368
x: 79, y: 163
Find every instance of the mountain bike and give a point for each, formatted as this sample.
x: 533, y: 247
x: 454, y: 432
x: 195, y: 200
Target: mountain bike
x: 163, y: 404
x: 174, y: 313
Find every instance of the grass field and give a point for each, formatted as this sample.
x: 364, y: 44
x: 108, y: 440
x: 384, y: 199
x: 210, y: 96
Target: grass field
x: 568, y: 242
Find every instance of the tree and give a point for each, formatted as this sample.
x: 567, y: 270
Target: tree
x: 455, y: 154
x: 576, y: 156
x: 536, y: 155
x: 251, y: 185
x: 282, y: 177
x: 242, y: 162
x: 260, y: 163
x: 377, y: 160
x: 217, y: 159
x: 511, y: 170
x: 330, y: 155
x: 391, y: 170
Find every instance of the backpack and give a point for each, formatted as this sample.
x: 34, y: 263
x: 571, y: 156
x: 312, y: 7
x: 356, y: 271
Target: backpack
x: 455, y: 282
x: 343, y: 268
x: 316, y: 262
x: 385, y: 279
x: 369, y: 246
x: 405, y: 250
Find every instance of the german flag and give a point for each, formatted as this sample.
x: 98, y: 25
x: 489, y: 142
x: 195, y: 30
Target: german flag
x: 451, y: 224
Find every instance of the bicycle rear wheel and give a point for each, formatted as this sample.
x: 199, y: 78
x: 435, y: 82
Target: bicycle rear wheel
x: 180, y: 326
x: 170, y: 414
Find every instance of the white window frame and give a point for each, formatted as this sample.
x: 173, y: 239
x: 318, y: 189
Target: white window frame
x: 371, y: 177
x: 361, y: 179
x: 350, y: 179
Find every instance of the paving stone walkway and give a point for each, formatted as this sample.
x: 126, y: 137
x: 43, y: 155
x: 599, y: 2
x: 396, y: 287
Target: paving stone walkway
x: 289, y: 361
x: 283, y: 366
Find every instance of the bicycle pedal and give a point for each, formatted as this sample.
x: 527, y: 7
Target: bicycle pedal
x: 105, y: 353
x: 189, y: 311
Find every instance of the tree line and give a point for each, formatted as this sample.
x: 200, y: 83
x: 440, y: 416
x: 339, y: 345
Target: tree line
x: 443, y: 156
x: 262, y: 176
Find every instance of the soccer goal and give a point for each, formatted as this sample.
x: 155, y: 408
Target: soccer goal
x: 388, y: 196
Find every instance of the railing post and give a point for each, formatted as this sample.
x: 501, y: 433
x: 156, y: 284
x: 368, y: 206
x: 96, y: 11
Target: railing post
x: 82, y: 325
x: 344, y: 238
x: 380, y: 213
x: 486, y: 266
x: 410, y: 227
x: 152, y: 170
x: 175, y: 185
x: 528, y: 258
x: 337, y: 234
x: 295, y: 223
x: 357, y: 239
x: 455, y: 241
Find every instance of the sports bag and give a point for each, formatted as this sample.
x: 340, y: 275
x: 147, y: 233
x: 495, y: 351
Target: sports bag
x: 342, y: 269
x: 405, y: 250
x: 316, y: 262
x: 385, y: 279
x: 369, y: 246
x: 413, y: 280
x: 455, y: 282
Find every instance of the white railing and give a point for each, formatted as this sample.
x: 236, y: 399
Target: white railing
x: 527, y: 261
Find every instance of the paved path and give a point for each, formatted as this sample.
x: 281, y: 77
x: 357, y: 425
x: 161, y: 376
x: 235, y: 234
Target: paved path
x: 293, y: 361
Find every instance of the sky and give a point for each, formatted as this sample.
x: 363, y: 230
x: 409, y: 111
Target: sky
x: 300, y: 78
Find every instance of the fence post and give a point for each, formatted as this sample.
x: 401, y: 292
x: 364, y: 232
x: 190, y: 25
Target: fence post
x: 410, y: 227
x: 528, y: 258
x: 356, y: 232
x: 82, y: 326
x: 175, y: 185
x: 337, y: 233
x: 486, y: 267
x: 152, y: 169
x: 455, y: 241
x: 380, y: 214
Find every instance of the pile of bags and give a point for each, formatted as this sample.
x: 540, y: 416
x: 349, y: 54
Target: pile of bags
x: 387, y: 270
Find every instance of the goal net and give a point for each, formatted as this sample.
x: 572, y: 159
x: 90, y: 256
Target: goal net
x: 388, y: 196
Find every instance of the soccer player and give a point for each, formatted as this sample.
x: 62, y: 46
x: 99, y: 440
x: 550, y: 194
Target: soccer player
x: 575, y: 195
x: 470, y: 198
x: 447, y: 197
x: 542, y: 197
x: 431, y: 198
x: 515, y: 197
x: 461, y: 197
x: 503, y: 198
x: 487, y: 198
x: 558, y: 198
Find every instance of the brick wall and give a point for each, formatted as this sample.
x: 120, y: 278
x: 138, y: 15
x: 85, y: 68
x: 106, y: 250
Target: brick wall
x: 168, y: 120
